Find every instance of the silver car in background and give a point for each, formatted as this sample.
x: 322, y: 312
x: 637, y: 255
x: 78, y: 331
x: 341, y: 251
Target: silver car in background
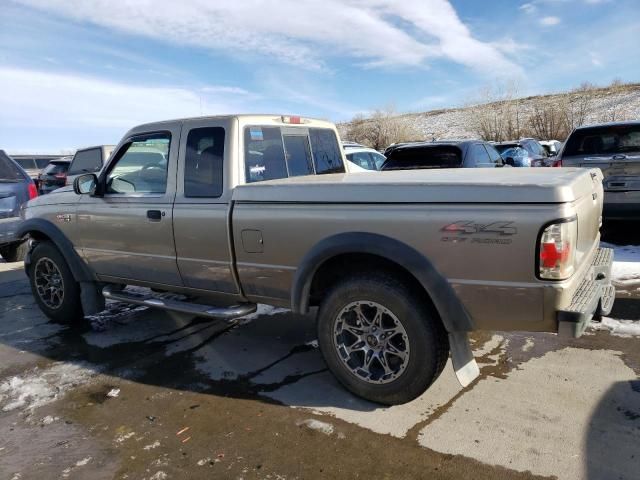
x: 614, y: 148
x: 16, y: 188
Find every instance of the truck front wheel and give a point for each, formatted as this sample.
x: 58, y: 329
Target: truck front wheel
x: 380, y: 339
x: 53, y: 286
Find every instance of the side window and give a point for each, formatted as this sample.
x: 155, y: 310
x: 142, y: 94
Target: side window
x: 203, y: 163
x: 477, y: 156
x: 141, y: 165
x: 493, y: 154
x: 361, y: 159
x: 86, y: 161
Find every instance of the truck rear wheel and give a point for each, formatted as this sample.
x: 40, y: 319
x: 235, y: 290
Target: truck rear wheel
x: 53, y: 286
x: 381, y: 340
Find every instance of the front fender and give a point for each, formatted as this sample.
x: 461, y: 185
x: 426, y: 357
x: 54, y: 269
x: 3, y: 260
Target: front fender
x: 452, y: 313
x: 39, y: 227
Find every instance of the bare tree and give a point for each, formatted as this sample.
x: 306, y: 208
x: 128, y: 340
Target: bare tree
x: 383, y: 128
x: 579, y: 106
x: 547, y: 120
x: 498, y: 115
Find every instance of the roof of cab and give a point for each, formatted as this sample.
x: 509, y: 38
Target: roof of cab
x: 242, y: 117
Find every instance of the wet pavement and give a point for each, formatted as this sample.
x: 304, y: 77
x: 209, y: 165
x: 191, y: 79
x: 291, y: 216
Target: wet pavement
x: 141, y: 394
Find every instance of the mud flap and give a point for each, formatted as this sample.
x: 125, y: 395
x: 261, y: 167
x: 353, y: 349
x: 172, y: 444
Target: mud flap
x: 91, y: 298
x: 464, y: 364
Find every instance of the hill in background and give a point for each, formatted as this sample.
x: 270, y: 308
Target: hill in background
x: 502, y: 116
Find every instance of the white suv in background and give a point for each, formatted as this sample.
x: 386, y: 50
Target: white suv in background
x: 364, y: 157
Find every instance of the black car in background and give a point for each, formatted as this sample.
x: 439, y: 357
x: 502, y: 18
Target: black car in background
x: 442, y: 154
x: 54, y: 175
x: 16, y: 188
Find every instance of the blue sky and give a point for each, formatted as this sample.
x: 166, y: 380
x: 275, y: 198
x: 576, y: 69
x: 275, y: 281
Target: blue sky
x: 81, y: 72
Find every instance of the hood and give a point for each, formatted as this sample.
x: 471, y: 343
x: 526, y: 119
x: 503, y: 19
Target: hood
x: 63, y: 195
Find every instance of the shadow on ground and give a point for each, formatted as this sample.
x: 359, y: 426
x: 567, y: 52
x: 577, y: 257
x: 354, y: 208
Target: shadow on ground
x: 256, y: 358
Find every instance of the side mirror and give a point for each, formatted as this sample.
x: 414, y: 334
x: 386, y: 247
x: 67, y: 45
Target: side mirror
x: 85, y: 184
x: 509, y: 161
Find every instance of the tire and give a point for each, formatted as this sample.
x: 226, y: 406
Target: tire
x: 407, y: 322
x: 14, y: 252
x: 48, y: 268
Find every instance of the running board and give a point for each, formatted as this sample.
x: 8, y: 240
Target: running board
x: 199, y: 310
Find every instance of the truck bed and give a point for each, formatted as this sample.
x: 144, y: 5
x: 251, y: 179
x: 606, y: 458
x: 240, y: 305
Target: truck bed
x: 515, y: 185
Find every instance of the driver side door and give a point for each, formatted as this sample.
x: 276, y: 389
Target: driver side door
x: 127, y: 234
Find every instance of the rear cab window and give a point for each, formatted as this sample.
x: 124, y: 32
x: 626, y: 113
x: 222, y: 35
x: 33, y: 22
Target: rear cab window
x: 608, y: 140
x: 273, y: 152
x: 86, y: 161
x: 424, y: 157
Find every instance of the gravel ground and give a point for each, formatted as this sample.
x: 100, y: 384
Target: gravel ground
x: 154, y: 396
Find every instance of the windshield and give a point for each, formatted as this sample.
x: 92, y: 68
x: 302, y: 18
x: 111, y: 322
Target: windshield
x: 431, y: 156
x: 608, y: 140
x: 279, y: 152
x: 505, y: 146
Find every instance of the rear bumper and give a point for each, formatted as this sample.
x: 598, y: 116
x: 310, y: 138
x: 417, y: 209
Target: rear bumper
x: 8, y: 230
x: 593, y: 298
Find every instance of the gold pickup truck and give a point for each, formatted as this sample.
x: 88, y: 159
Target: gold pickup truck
x: 233, y: 211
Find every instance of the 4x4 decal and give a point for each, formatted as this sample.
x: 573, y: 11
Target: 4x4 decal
x: 464, y: 230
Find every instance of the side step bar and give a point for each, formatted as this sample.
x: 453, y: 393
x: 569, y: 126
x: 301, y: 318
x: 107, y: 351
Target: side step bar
x: 217, y: 313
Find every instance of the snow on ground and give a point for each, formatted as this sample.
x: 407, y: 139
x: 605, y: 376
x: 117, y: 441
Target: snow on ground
x: 620, y: 328
x: 42, y: 386
x: 626, y: 269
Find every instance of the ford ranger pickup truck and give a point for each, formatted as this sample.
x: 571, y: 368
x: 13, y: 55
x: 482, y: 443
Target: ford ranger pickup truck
x: 231, y: 211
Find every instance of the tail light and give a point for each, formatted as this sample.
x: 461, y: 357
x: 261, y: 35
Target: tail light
x: 60, y: 176
x: 557, y: 163
x: 33, y: 191
x: 557, y: 250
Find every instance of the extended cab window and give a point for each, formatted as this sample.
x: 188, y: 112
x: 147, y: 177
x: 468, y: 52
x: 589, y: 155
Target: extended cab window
x: 141, y: 165
x: 277, y: 152
x: 203, y: 162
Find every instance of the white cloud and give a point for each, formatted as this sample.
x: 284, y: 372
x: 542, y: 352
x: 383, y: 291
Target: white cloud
x: 302, y: 33
x: 50, y: 101
x: 528, y: 8
x: 549, y: 21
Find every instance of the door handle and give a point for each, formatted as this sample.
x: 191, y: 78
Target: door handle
x: 154, y: 215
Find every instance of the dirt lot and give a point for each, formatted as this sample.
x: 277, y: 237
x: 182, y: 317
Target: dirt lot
x: 144, y: 395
